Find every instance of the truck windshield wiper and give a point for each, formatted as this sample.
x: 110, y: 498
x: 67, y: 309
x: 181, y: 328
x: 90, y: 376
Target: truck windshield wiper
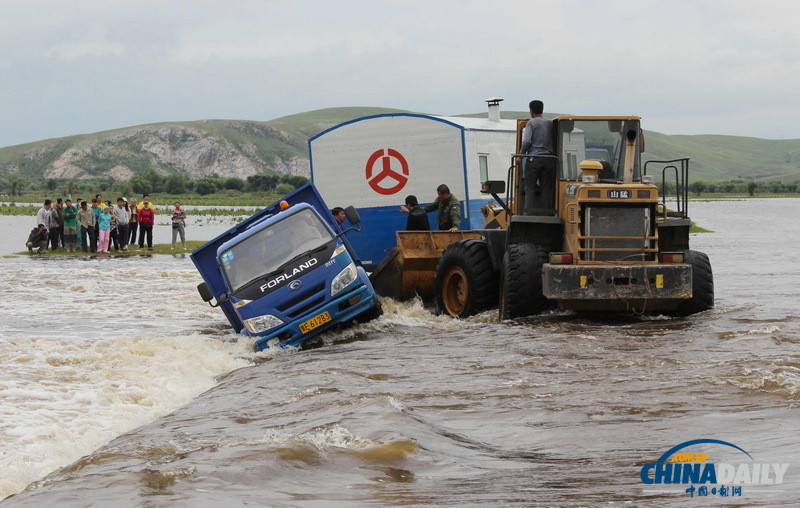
x: 280, y: 269
x: 307, y: 253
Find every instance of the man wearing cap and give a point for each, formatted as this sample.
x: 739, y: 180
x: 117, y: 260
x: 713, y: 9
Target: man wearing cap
x: 123, y: 216
x: 38, y: 239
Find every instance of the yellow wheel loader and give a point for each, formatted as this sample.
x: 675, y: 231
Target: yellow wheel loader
x: 606, y: 241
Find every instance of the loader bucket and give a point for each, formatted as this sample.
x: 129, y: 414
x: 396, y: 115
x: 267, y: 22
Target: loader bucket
x: 410, y: 268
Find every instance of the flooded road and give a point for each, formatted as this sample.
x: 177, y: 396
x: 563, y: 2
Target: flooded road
x: 121, y: 387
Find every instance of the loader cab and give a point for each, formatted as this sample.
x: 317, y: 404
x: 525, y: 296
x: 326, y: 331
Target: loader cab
x: 615, y: 142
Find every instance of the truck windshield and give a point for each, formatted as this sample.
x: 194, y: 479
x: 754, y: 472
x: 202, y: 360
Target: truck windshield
x: 272, y: 247
x: 600, y: 140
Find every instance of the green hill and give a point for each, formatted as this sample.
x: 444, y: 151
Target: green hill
x: 241, y: 148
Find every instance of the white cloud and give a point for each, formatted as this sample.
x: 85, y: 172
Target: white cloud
x: 97, y: 48
x: 685, y: 66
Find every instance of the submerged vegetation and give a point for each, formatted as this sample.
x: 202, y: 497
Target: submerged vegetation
x: 158, y: 248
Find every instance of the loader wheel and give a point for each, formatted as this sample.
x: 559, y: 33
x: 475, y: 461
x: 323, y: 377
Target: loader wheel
x: 702, y: 284
x: 521, y: 281
x: 466, y: 283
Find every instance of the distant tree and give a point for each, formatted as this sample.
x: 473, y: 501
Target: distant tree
x: 123, y: 188
x: 17, y: 184
x: 791, y: 188
x: 51, y: 184
x: 751, y: 187
x: 698, y: 187
x: 205, y: 186
x: 155, y: 181
x: 140, y: 185
x: 263, y: 183
x: 233, y: 183
x: 69, y: 186
x: 284, y: 188
x: 295, y: 181
x: 175, y: 184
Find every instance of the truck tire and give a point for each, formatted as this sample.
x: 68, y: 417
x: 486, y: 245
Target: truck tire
x: 371, y: 314
x: 702, y: 284
x: 521, y: 281
x: 466, y: 283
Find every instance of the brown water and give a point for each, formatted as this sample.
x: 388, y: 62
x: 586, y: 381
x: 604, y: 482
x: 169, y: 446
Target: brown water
x: 415, y: 409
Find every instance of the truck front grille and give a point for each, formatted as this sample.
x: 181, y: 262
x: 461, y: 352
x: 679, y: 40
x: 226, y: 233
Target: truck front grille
x: 303, y: 300
x: 618, y: 233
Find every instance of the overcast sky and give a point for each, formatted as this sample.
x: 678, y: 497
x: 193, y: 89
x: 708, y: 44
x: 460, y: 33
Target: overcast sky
x: 687, y: 67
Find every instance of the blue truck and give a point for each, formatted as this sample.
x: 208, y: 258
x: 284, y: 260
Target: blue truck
x: 287, y: 273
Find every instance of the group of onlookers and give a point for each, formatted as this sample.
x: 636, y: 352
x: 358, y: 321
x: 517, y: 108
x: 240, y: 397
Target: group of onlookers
x: 98, y: 225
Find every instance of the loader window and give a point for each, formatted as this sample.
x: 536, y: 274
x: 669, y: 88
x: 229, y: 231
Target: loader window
x: 603, y: 140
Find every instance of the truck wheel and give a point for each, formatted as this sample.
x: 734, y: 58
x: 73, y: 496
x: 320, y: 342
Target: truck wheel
x: 371, y: 314
x: 702, y: 284
x: 521, y: 281
x: 466, y: 283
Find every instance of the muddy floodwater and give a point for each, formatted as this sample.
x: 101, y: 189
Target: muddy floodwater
x: 120, y: 387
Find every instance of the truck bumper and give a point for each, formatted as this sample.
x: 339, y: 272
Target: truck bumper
x: 634, y: 288
x: 348, y: 305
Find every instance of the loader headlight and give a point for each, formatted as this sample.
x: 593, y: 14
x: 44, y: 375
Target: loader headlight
x: 648, y: 179
x: 263, y: 323
x: 344, y: 278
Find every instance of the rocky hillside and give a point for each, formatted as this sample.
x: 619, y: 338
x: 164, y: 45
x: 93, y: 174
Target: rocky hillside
x: 242, y: 148
x: 225, y: 148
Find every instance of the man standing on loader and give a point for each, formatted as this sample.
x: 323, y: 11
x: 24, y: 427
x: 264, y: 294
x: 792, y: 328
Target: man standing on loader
x: 537, y: 139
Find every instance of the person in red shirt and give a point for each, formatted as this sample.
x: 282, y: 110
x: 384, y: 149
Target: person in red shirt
x: 146, y: 218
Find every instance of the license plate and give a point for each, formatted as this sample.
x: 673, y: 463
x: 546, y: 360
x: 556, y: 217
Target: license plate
x: 315, y: 322
x: 619, y: 194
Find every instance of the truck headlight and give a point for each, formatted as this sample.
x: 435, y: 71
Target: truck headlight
x: 263, y: 323
x: 344, y: 279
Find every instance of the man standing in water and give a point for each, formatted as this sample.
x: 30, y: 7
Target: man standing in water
x: 537, y: 139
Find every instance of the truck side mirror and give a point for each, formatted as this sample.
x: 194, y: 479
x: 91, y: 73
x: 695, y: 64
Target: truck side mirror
x: 352, y: 215
x: 205, y: 292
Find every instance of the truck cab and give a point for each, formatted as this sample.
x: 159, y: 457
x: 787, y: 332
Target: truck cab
x: 287, y: 273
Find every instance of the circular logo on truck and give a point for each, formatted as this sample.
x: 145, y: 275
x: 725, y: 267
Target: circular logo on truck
x: 382, y: 177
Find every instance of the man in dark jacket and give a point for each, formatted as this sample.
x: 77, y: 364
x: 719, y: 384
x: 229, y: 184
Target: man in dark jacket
x: 449, y: 209
x: 417, y: 218
x: 37, y: 239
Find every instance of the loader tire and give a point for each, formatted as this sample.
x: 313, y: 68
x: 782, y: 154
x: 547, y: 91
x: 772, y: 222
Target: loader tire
x: 702, y: 284
x: 466, y: 283
x: 521, y: 281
